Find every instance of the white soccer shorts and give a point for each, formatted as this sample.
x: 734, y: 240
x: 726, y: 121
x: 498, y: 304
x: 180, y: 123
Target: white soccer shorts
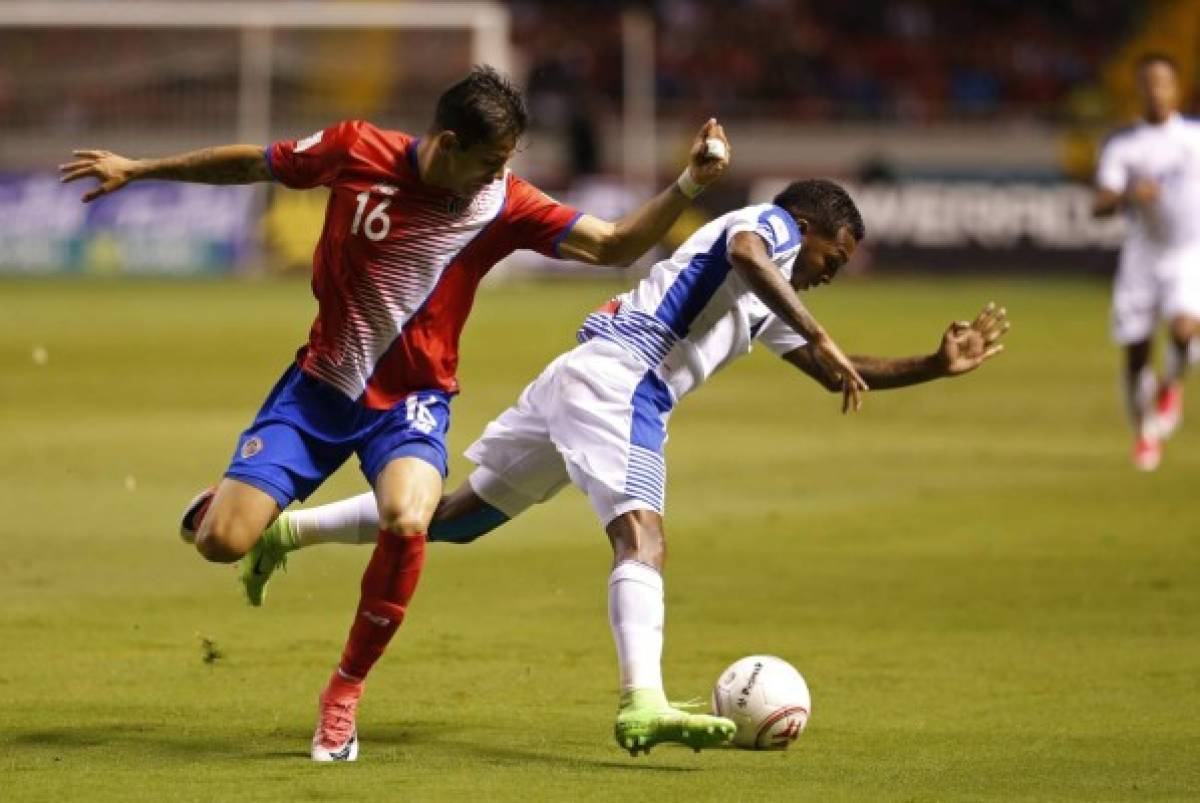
x: 1153, y: 286
x: 595, y: 417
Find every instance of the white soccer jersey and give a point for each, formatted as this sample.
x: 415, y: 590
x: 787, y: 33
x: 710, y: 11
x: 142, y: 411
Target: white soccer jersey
x: 694, y: 314
x: 1159, y: 272
x: 597, y: 415
x: 1169, y: 155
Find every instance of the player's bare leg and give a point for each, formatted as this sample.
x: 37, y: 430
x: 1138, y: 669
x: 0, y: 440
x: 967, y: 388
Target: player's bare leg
x: 462, y: 516
x: 636, y: 612
x: 408, y: 490
x: 230, y: 524
x: 1169, y: 402
x: 1139, y: 398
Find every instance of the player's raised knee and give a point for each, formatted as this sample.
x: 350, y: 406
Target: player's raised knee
x: 225, y: 539
x: 403, y: 522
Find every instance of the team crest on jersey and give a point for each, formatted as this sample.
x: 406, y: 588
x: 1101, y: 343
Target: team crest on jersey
x: 251, y: 447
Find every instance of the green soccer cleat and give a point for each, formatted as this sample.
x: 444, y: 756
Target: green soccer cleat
x: 645, y: 719
x: 256, y: 566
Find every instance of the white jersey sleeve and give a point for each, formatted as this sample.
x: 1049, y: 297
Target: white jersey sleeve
x: 778, y: 337
x: 1113, y: 171
x: 770, y: 223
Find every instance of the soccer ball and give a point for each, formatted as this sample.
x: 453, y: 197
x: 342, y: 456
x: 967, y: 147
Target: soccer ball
x: 766, y: 698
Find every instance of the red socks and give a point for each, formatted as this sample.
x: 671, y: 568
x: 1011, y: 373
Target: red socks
x: 387, y: 586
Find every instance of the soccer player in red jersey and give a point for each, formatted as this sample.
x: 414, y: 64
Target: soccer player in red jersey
x: 411, y: 227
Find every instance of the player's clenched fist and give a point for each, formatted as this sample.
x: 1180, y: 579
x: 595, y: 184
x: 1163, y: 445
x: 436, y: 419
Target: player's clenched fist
x: 112, y: 171
x: 710, y: 153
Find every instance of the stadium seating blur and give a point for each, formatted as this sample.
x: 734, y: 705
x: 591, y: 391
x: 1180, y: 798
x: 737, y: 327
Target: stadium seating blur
x: 928, y: 101
x: 912, y: 60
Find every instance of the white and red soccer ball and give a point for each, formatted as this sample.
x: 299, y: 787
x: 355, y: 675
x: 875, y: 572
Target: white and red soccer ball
x: 766, y: 698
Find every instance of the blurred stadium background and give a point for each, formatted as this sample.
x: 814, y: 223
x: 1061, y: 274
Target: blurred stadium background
x: 988, y: 602
x: 969, y: 131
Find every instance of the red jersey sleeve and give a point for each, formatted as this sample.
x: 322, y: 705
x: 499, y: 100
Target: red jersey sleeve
x: 315, y: 160
x: 539, y: 222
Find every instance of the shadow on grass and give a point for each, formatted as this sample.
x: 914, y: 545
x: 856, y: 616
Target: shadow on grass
x: 149, y: 738
x: 499, y: 754
x: 407, y: 735
x: 289, y: 755
x: 83, y: 735
x: 156, y: 738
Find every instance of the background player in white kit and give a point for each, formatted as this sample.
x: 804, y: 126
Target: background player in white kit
x: 597, y: 417
x: 1151, y: 171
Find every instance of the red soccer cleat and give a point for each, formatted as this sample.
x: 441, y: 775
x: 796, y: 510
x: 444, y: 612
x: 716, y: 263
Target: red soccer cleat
x: 336, y: 738
x: 193, y: 514
x: 1168, y: 410
x: 1147, y: 453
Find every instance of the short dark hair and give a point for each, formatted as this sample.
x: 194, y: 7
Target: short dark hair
x: 482, y: 107
x: 824, y: 204
x: 1157, y: 57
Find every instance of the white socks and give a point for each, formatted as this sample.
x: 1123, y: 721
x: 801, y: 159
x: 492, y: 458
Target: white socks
x: 349, y: 521
x: 636, y: 612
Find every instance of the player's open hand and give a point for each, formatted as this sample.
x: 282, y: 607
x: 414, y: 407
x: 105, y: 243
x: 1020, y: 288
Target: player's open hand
x: 112, y: 171
x: 708, y: 162
x: 836, y: 364
x: 965, y: 346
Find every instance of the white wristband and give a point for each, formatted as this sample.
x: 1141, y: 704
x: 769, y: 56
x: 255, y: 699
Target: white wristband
x: 688, y: 185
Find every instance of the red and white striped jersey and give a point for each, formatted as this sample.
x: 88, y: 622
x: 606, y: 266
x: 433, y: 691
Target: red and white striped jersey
x: 398, y: 262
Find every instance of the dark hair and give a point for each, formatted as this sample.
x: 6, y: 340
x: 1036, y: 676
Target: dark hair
x: 824, y: 204
x: 1157, y: 57
x: 482, y: 107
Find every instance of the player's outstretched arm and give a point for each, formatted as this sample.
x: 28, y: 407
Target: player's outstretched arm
x: 224, y: 164
x: 1141, y: 193
x: 964, y: 347
x: 602, y: 242
x: 748, y: 256
x: 1117, y: 186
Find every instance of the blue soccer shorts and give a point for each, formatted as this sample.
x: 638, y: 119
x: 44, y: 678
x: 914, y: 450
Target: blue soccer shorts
x: 306, y: 430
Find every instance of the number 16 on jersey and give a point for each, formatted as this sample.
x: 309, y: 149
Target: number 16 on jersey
x: 418, y: 414
x: 377, y: 224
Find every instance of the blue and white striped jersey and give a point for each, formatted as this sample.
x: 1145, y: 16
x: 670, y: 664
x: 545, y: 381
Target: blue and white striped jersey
x: 693, y: 314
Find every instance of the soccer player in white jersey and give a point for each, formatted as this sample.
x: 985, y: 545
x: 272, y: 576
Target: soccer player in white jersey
x: 1151, y: 172
x: 597, y: 417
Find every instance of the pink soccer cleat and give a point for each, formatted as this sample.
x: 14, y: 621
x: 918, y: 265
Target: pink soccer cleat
x: 1168, y: 410
x: 336, y: 738
x: 1147, y: 453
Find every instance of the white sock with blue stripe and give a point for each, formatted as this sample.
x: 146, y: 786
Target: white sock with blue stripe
x: 636, y: 612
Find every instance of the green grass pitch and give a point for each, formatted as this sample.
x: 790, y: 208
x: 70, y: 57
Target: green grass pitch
x: 987, y: 601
